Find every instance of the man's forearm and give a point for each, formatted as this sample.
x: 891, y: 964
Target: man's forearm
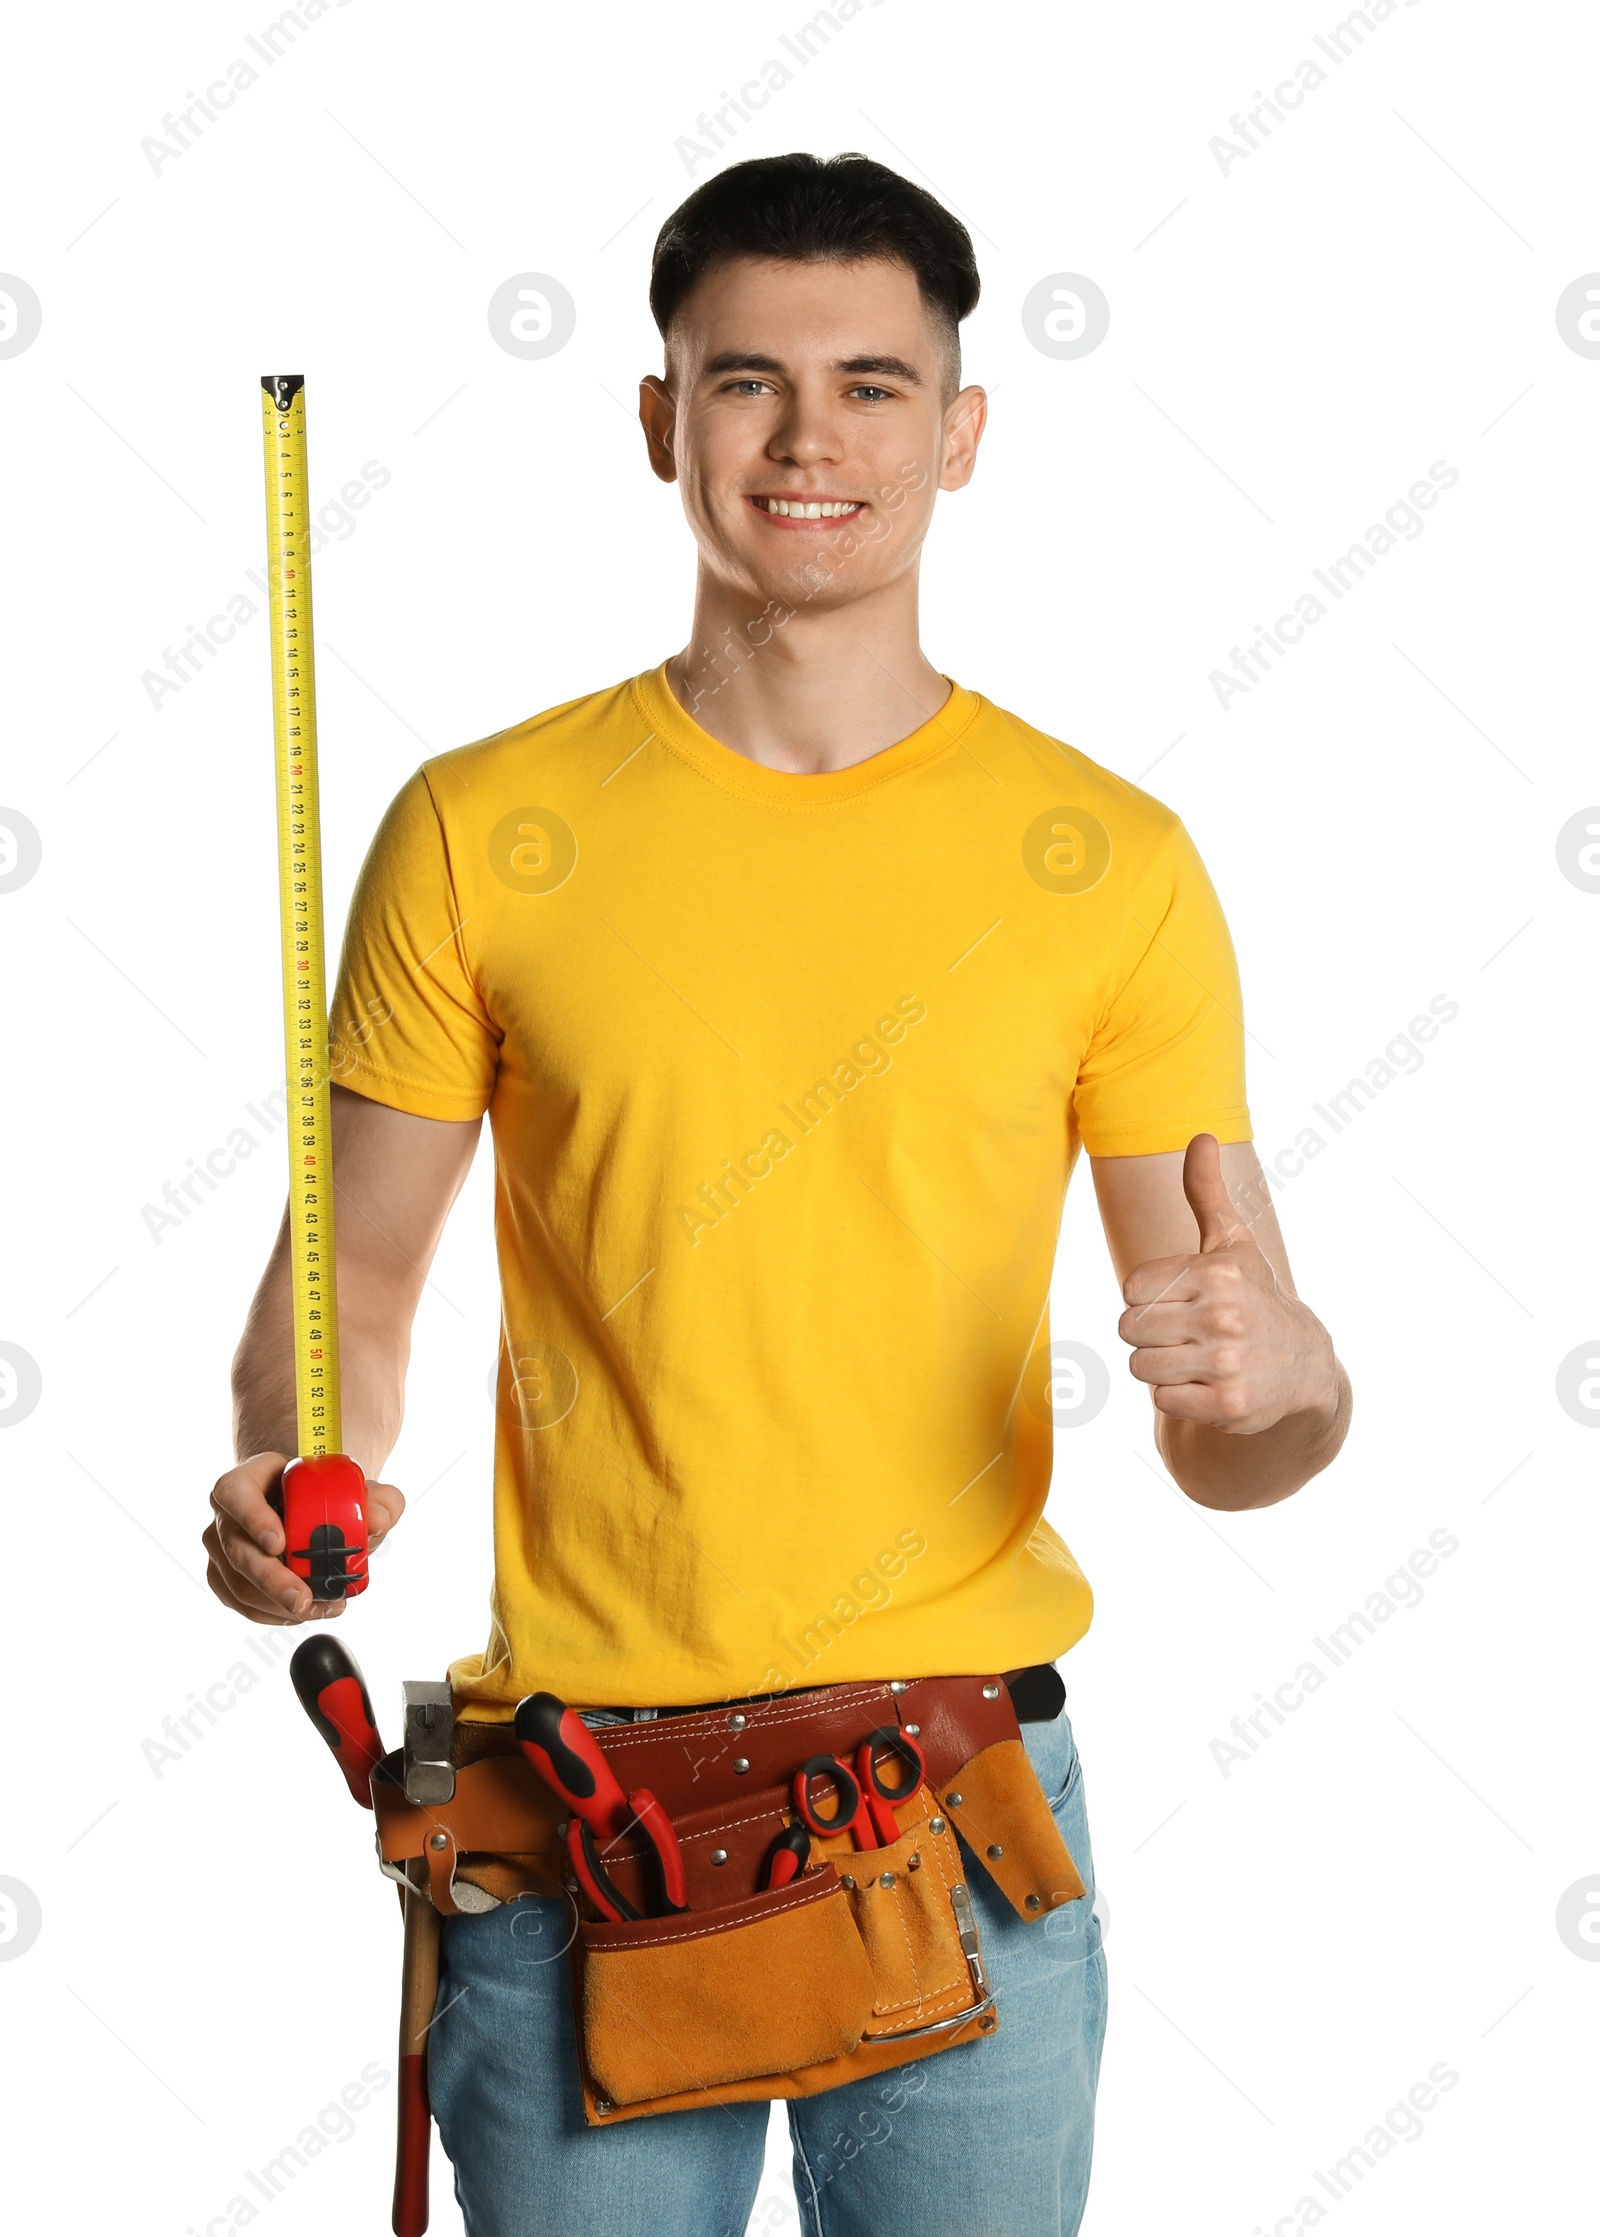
x: 1222, y: 1468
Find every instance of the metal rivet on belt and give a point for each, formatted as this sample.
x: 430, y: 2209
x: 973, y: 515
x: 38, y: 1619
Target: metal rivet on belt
x: 991, y: 1693
x: 736, y: 1723
x: 741, y: 1763
x: 438, y: 1840
x: 602, y: 2104
x: 915, y: 1730
x: 886, y: 1880
x: 987, y: 2020
x: 913, y: 1864
x: 952, y: 1801
x: 719, y: 1856
x: 936, y: 1825
x: 994, y: 1852
x: 897, y: 1685
x: 846, y: 1880
x: 1034, y: 1901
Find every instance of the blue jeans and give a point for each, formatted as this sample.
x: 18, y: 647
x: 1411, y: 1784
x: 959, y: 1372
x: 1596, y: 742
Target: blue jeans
x: 994, y: 2135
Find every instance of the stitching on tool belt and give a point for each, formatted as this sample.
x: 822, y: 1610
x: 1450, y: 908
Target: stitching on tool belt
x: 694, y: 1934
x: 616, y: 1737
x: 918, y: 1999
x: 626, y: 1850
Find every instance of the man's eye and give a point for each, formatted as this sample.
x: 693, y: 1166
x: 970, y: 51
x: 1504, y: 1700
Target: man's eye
x: 748, y: 387
x: 871, y: 394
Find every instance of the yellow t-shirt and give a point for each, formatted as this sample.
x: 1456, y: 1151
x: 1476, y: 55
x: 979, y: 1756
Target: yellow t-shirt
x: 786, y: 1076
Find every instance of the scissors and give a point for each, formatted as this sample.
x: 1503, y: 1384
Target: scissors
x: 864, y: 1806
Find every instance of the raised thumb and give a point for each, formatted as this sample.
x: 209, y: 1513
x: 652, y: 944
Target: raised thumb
x: 1209, y: 1200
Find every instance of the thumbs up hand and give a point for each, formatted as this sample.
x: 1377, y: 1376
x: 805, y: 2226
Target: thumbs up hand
x: 1214, y: 1334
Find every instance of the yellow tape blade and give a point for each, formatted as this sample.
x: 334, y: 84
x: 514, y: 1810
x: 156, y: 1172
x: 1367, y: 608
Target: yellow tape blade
x: 305, y: 1011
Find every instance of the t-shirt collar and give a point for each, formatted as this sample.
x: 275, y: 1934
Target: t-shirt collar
x: 753, y: 780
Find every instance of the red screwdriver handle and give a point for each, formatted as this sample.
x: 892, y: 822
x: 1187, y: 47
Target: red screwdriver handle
x: 563, y: 1751
x: 334, y: 1696
x: 789, y: 1857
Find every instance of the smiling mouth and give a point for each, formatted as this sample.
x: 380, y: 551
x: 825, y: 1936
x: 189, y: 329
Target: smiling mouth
x: 806, y: 508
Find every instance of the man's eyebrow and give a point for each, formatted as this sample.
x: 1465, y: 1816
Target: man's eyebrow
x: 756, y: 361
x: 895, y: 367
x: 741, y: 361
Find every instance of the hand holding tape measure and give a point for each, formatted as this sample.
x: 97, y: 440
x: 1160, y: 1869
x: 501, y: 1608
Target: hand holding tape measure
x: 316, y: 1503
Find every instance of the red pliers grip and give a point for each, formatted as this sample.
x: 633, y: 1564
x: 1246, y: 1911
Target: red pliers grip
x: 333, y: 1694
x: 322, y: 1503
x: 656, y: 1826
x: 592, y: 1876
x: 597, y: 1883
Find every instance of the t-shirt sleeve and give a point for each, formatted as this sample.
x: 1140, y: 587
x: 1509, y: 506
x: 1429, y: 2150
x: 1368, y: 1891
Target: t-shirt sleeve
x: 1165, y: 1060
x: 406, y: 1025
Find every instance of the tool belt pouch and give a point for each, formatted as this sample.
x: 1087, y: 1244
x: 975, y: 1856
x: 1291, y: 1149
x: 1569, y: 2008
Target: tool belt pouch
x: 869, y: 1959
x: 672, y: 2007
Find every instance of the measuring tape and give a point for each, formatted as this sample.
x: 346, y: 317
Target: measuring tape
x: 305, y: 1016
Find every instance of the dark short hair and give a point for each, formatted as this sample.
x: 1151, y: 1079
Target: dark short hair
x: 805, y: 208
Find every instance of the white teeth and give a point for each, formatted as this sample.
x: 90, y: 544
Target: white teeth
x: 835, y: 509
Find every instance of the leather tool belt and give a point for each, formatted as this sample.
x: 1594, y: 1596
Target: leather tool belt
x: 867, y: 1959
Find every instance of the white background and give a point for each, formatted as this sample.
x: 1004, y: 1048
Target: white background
x: 1292, y: 343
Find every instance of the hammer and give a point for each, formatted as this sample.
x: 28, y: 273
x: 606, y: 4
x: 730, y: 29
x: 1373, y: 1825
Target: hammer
x: 334, y: 1695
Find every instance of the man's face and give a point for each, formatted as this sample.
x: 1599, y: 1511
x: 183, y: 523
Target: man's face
x: 804, y: 418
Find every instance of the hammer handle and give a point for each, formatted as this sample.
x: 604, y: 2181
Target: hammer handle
x: 419, y: 1986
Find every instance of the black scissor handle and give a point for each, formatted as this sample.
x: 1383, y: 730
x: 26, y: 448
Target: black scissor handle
x: 843, y: 1780
x: 894, y: 1741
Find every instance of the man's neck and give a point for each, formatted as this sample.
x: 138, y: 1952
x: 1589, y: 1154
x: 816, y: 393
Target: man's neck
x: 825, y: 689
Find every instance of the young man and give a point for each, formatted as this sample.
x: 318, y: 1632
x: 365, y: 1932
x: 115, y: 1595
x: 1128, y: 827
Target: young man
x: 793, y: 976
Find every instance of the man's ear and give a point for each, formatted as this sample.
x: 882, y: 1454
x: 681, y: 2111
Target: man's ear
x: 964, y: 419
x: 658, y: 416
